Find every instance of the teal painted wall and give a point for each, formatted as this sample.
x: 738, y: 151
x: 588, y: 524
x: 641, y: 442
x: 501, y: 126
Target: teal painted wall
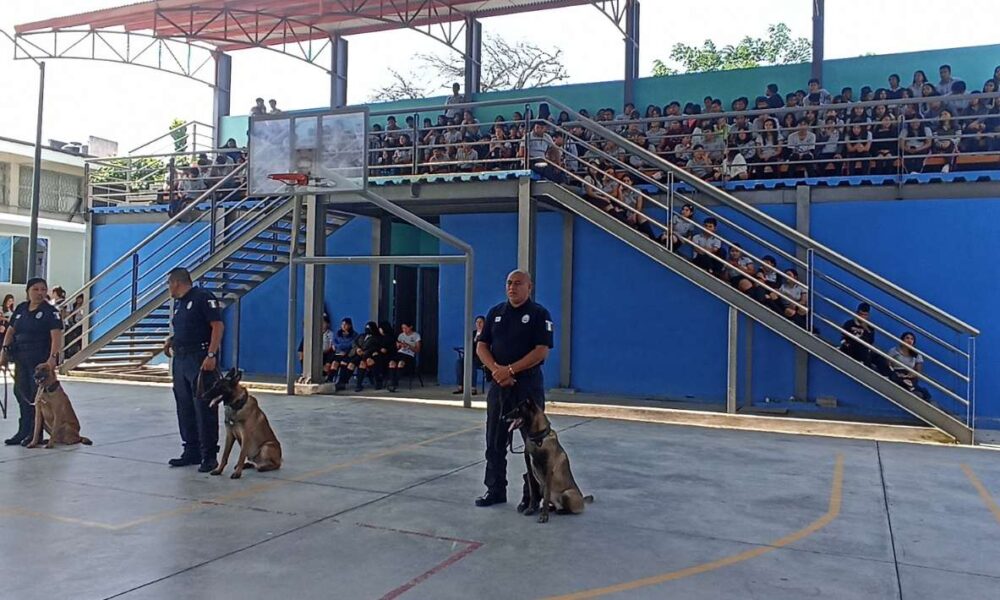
x: 974, y: 65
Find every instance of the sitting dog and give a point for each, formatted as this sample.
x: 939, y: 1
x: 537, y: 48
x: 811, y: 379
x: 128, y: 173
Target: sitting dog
x: 54, y: 412
x: 246, y: 424
x: 549, y: 463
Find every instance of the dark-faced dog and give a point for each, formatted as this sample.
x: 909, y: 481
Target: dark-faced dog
x: 53, y: 411
x: 246, y: 424
x: 549, y: 463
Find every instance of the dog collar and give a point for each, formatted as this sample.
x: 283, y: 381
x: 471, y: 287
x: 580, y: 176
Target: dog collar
x: 239, y: 404
x: 52, y: 388
x: 537, y: 438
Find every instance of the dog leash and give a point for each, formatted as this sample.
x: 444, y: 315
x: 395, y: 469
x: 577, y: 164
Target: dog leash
x: 6, y: 392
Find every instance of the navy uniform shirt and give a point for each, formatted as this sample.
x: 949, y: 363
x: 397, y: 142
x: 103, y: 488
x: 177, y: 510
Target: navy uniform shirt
x: 511, y: 333
x: 193, y: 316
x: 34, y: 327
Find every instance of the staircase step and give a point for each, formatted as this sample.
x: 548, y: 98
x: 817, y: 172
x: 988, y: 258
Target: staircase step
x: 258, y: 261
x: 119, y: 355
x: 133, y: 348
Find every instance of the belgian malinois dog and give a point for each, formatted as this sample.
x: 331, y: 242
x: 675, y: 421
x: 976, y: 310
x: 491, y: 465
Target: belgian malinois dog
x: 549, y: 463
x: 53, y: 411
x: 246, y: 424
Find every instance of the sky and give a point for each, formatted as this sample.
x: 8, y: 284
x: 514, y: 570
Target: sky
x: 132, y: 105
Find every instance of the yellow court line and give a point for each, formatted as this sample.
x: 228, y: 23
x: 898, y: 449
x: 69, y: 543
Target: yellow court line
x: 250, y: 491
x: 832, y: 512
x: 983, y: 492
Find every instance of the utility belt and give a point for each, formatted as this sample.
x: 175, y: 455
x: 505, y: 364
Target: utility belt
x: 189, y: 349
x: 26, y: 350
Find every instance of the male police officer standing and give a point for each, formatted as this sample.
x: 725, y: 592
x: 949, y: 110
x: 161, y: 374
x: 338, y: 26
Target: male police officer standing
x: 513, y: 345
x: 197, y: 323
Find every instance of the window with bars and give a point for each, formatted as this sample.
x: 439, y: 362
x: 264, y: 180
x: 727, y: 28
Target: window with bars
x: 59, y: 191
x: 14, y: 259
x: 4, y: 182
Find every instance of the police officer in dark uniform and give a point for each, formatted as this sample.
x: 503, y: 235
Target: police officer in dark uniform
x: 513, y: 345
x: 197, y: 324
x: 33, y: 337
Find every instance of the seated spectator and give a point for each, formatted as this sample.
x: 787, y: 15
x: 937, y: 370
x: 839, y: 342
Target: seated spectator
x: 766, y: 284
x: 802, y: 149
x: 817, y: 96
x: 859, y: 327
x: 681, y: 228
x: 947, y: 83
x: 946, y: 136
x: 591, y: 184
x: 366, y: 349
x: 907, y: 365
x: 740, y: 269
x: 568, y: 151
x: 885, y: 145
x: 757, y: 125
x: 916, y: 144
x: 342, y: 361
x: 656, y: 134
x: 73, y: 317
x: 438, y: 162
x: 538, y: 141
x: 734, y: 167
x: 477, y: 365
x: 701, y: 165
x: 467, y: 157
x: 551, y: 168
x: 632, y: 200
x: 501, y: 150
x: 794, y: 298
x: 772, y: 96
x: 830, y: 148
x: 403, y: 156
x: 407, y: 349
x: 895, y: 92
x: 917, y: 86
x: 191, y: 186
x: 714, y: 145
x: 858, y: 114
x: 743, y: 142
x: 233, y: 151
x: 682, y: 152
x: 769, y: 150
x: 789, y: 124
x: 708, y: 247
x: 858, y: 144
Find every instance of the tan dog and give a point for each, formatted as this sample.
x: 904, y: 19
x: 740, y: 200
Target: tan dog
x: 246, y: 424
x: 54, y: 412
x: 549, y: 463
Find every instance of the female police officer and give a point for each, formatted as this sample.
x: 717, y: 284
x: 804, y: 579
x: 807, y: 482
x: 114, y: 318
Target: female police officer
x: 513, y: 346
x: 33, y: 337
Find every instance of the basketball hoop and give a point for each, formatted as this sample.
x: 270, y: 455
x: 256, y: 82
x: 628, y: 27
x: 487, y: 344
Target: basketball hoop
x: 301, y: 179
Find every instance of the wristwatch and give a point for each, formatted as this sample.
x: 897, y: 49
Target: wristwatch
x: 211, y: 354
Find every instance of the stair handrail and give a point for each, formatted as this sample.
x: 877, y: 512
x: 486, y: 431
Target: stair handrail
x: 759, y: 216
x: 192, y: 135
x: 149, y: 238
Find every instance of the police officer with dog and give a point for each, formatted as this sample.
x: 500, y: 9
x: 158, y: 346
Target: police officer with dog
x: 513, y: 345
x: 194, y: 347
x: 33, y: 337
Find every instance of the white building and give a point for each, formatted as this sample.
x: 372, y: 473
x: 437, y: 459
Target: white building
x: 61, y: 225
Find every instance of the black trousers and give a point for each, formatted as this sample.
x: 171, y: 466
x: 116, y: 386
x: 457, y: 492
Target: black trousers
x: 198, y: 423
x: 499, y: 401
x: 25, y: 388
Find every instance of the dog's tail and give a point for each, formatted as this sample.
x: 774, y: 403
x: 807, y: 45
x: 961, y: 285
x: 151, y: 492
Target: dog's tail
x: 86, y: 441
x: 589, y: 498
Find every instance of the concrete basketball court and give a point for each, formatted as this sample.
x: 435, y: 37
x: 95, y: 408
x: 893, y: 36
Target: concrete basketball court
x: 376, y: 501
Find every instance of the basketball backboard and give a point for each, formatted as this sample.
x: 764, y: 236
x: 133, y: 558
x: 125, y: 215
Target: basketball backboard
x: 328, y: 148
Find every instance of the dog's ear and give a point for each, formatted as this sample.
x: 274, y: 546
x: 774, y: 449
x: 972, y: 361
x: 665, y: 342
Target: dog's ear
x: 238, y: 375
x: 232, y: 374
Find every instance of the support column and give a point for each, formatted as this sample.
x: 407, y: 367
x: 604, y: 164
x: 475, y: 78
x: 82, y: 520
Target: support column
x: 338, y: 72
x: 802, y: 202
x: 527, y: 213
x: 221, y: 94
x: 748, y: 325
x: 312, y: 350
x: 819, y: 13
x: 566, y: 327
x: 376, y: 270
x: 631, y: 48
x: 473, y: 57
x: 731, y: 360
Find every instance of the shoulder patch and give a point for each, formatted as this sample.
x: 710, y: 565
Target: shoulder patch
x: 496, y: 319
x: 548, y: 326
x: 213, y: 304
x: 190, y: 304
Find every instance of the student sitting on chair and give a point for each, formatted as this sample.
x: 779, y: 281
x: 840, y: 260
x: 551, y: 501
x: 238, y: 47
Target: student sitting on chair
x: 407, y: 348
x: 477, y: 365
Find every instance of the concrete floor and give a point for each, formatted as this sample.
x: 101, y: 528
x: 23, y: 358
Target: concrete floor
x: 375, y: 501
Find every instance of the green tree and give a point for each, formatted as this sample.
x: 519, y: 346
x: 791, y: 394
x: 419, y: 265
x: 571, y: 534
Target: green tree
x: 178, y: 131
x: 141, y: 173
x: 778, y: 47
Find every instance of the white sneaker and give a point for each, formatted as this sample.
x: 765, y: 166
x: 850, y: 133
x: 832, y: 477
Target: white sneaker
x: 946, y: 169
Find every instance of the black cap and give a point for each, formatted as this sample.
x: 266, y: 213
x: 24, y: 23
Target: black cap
x: 864, y: 307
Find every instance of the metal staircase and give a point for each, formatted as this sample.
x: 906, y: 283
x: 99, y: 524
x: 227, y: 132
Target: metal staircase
x: 834, y: 284
x: 230, y: 243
